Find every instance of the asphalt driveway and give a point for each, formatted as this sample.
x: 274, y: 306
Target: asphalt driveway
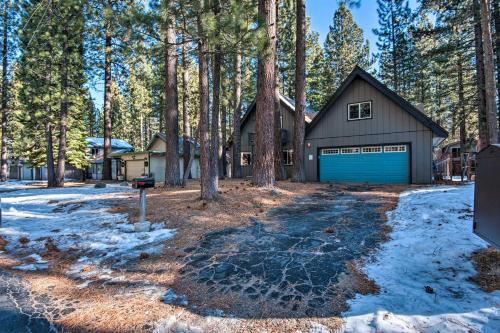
x: 294, y: 262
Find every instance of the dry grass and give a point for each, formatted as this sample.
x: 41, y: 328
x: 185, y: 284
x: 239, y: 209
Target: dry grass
x: 114, y: 308
x: 3, y: 244
x: 487, y: 264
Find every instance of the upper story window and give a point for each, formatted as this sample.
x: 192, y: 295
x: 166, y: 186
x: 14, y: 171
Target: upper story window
x: 357, y: 111
x: 94, y: 151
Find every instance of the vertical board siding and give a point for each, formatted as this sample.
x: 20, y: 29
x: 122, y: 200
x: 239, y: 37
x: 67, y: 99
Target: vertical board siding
x: 389, y: 125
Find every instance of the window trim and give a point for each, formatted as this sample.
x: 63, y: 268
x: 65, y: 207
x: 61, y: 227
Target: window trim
x: 330, y: 151
x: 241, y: 158
x: 372, y: 152
x: 359, y: 112
x: 398, y: 147
x: 288, y: 151
x: 356, y: 151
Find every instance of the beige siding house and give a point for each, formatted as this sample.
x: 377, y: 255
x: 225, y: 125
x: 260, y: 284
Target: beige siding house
x: 152, y: 161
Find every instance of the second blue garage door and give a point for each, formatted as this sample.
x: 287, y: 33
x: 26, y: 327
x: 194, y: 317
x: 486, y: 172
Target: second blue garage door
x: 387, y: 164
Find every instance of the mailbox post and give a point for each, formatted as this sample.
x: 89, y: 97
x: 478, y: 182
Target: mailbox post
x: 142, y: 184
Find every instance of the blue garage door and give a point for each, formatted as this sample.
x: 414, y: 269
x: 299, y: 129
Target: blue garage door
x: 388, y: 164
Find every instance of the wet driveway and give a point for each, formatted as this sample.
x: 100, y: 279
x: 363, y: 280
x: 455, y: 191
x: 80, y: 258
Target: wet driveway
x: 292, y: 261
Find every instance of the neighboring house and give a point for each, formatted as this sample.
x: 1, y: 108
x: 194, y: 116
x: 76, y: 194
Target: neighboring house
x: 22, y: 170
x: 449, y: 160
x: 95, y: 152
x: 152, y: 161
x: 287, y: 115
x: 368, y: 133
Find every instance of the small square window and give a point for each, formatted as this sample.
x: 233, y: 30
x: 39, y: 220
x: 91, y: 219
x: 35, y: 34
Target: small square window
x: 357, y: 111
x: 246, y: 159
x: 353, y: 111
x: 366, y: 110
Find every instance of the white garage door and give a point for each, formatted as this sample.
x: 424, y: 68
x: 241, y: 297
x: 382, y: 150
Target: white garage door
x: 135, y: 169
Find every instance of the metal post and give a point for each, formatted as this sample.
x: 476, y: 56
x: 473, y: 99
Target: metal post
x: 142, y: 212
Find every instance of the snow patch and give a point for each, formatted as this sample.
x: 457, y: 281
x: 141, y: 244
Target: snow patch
x: 430, y: 245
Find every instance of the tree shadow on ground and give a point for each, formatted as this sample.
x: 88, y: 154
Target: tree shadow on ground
x: 296, y: 262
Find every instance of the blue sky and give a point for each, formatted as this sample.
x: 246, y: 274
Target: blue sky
x: 321, y: 14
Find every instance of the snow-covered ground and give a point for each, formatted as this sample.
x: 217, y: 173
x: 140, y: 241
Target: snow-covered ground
x: 73, y: 219
x: 431, y: 244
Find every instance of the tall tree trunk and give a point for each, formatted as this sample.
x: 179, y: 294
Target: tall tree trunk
x: 481, y: 95
x: 172, y: 172
x: 5, y: 87
x: 263, y: 168
x: 208, y: 183
x: 214, y: 134
x: 489, y: 72
x: 63, y: 115
x: 223, y: 130
x: 461, y: 105
x: 186, y: 126
x: 496, y: 19
x: 300, y: 94
x: 106, y: 168
x: 236, y: 165
x: 279, y: 167
x: 49, y: 155
x: 48, y: 108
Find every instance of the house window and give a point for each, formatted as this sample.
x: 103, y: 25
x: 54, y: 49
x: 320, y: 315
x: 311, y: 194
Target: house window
x: 455, y: 152
x: 371, y: 150
x: 94, y: 151
x: 246, y: 159
x: 395, y: 149
x: 288, y: 157
x: 330, y: 151
x: 251, y: 138
x: 357, y: 111
x: 349, y: 151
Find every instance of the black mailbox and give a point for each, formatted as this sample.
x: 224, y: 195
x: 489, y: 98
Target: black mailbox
x: 145, y: 182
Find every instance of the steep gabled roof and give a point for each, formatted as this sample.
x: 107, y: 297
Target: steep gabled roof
x: 401, y: 102
x: 287, y: 102
x: 163, y: 137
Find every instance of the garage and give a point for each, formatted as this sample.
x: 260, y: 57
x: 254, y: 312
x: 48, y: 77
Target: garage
x: 134, y: 169
x: 383, y: 164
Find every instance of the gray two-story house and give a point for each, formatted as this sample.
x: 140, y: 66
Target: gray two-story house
x: 287, y: 114
x: 368, y: 133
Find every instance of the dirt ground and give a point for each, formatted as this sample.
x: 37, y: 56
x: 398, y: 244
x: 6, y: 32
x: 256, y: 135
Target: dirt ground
x: 133, y: 304
x: 487, y: 264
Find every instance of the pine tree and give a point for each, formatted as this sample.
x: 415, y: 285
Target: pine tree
x: 344, y: 48
x: 394, y: 43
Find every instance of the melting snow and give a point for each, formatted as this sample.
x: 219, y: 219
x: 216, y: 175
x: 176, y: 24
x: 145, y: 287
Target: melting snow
x: 73, y: 219
x: 431, y: 244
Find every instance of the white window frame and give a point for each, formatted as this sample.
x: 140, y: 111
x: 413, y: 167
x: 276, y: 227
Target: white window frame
x: 395, y: 149
x: 350, y: 151
x: 289, y: 159
x: 242, y: 160
x: 359, y: 110
x: 371, y: 150
x: 330, y: 151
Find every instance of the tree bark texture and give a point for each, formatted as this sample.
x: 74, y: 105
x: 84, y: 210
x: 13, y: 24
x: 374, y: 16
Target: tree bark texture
x: 461, y: 116
x: 279, y: 167
x: 186, y: 126
x: 481, y: 94
x: 172, y: 171
x: 496, y: 21
x: 106, y: 168
x: 63, y: 113
x: 489, y: 72
x: 300, y: 94
x: 208, y: 184
x: 5, y: 92
x: 263, y: 167
x: 236, y: 165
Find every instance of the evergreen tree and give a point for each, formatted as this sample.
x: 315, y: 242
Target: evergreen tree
x: 344, y: 48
